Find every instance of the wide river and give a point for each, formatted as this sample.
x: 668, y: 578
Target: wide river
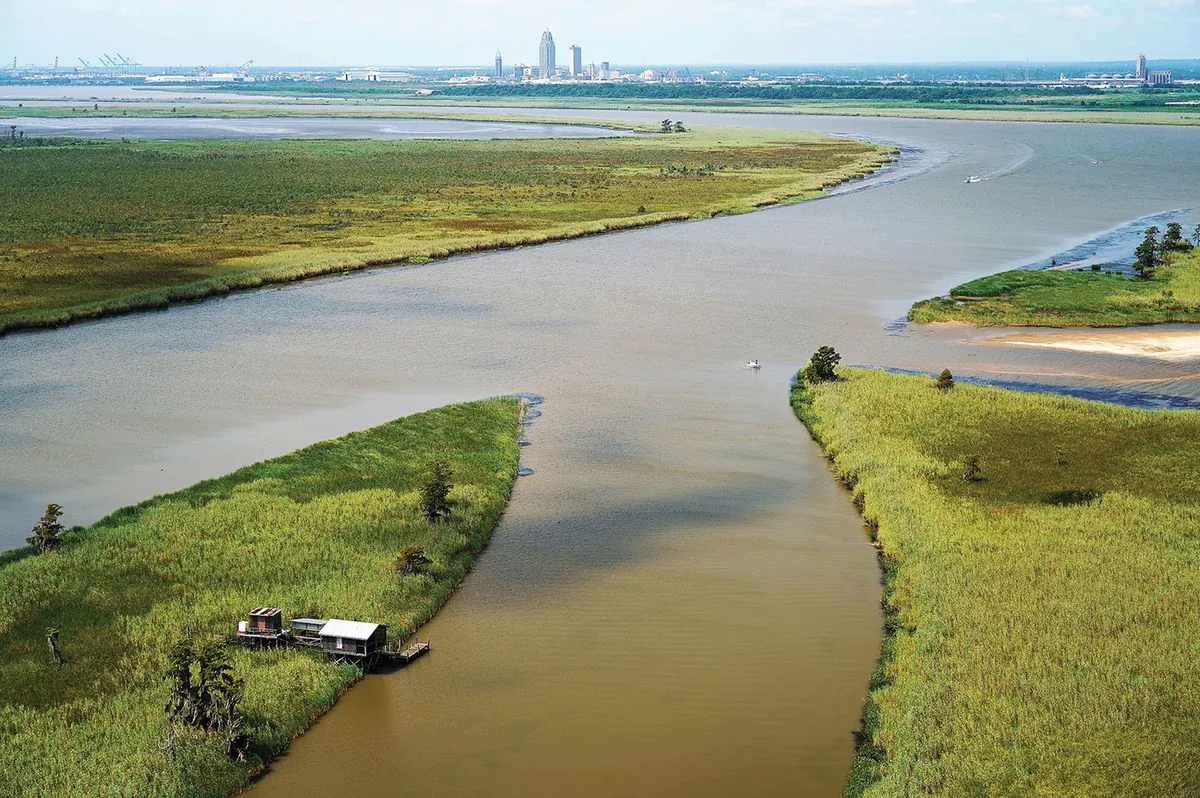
x: 680, y: 600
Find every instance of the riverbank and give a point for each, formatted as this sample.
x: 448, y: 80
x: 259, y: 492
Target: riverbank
x: 351, y: 105
x: 145, y: 224
x: 1040, y: 617
x: 1033, y: 298
x: 316, y: 532
x: 1185, y: 115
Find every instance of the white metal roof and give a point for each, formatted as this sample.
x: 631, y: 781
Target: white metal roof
x: 352, y: 630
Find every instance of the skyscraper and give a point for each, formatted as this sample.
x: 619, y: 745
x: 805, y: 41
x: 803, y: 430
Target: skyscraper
x: 499, y: 65
x: 576, y: 61
x: 546, y: 55
x: 1141, y: 67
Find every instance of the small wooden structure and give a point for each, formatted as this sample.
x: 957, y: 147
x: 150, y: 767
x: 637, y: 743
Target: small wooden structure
x: 265, y: 621
x: 354, y: 642
x: 307, y: 628
x: 263, y: 628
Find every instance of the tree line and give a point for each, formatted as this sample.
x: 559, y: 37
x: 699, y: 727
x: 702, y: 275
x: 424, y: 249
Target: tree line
x: 1153, y: 250
x: 740, y: 91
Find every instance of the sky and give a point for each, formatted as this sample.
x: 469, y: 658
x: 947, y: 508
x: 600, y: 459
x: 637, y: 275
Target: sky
x: 661, y: 32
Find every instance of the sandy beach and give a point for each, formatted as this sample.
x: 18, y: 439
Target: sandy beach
x: 1165, y: 344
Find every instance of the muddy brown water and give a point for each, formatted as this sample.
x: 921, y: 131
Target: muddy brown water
x: 679, y: 599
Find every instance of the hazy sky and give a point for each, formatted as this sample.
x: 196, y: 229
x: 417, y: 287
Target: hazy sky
x: 444, y: 32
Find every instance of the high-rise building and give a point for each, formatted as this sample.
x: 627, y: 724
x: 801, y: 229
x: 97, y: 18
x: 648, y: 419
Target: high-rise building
x: 546, y: 63
x: 1141, y: 67
x: 499, y: 65
x: 576, y: 61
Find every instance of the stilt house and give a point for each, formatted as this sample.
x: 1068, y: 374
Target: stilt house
x: 354, y: 642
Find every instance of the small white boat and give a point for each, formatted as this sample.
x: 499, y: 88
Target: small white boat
x: 974, y: 179
x: 753, y: 364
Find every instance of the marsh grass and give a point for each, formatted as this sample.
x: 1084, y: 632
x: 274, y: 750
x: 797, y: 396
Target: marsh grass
x: 1042, y: 622
x: 315, y: 532
x: 1092, y: 111
x: 1072, y: 298
x: 87, y: 231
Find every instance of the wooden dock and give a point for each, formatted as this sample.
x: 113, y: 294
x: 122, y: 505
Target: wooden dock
x: 417, y: 649
x: 346, y: 648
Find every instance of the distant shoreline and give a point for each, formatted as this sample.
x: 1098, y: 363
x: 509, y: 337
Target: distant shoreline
x: 756, y: 184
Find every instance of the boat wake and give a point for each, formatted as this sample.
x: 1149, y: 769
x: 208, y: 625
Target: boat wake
x: 1024, y: 156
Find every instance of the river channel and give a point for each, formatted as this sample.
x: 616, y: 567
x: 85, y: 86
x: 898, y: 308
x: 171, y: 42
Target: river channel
x: 679, y: 600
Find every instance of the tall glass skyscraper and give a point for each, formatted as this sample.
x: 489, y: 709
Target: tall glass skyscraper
x: 576, y: 61
x: 546, y: 55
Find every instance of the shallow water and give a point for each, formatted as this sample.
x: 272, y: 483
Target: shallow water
x: 679, y: 600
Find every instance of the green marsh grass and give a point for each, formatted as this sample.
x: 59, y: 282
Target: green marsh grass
x: 1043, y: 629
x: 88, y: 230
x: 1072, y: 298
x: 315, y: 532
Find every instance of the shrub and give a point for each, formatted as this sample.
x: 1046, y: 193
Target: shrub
x: 973, y: 469
x: 412, y: 561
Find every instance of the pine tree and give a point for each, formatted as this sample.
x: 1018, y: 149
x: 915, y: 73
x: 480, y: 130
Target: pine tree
x: 944, y: 381
x: 435, y: 491
x: 821, y: 366
x: 1173, y: 238
x: 1147, y: 254
x: 46, y: 535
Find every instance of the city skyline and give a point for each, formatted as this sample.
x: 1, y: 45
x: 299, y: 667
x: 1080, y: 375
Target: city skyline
x: 705, y: 31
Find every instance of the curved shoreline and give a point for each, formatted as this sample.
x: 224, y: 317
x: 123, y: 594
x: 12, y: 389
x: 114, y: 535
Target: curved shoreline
x: 199, y: 291
x: 938, y: 697
x: 313, y: 476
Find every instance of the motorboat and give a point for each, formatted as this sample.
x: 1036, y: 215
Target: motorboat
x: 753, y: 364
x: 974, y: 179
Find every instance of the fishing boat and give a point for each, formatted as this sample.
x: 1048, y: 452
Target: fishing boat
x: 974, y: 179
x: 753, y: 364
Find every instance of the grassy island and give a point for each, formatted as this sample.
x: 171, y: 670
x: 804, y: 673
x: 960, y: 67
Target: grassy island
x: 91, y: 228
x: 316, y: 532
x: 1042, y: 623
x: 1072, y: 298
